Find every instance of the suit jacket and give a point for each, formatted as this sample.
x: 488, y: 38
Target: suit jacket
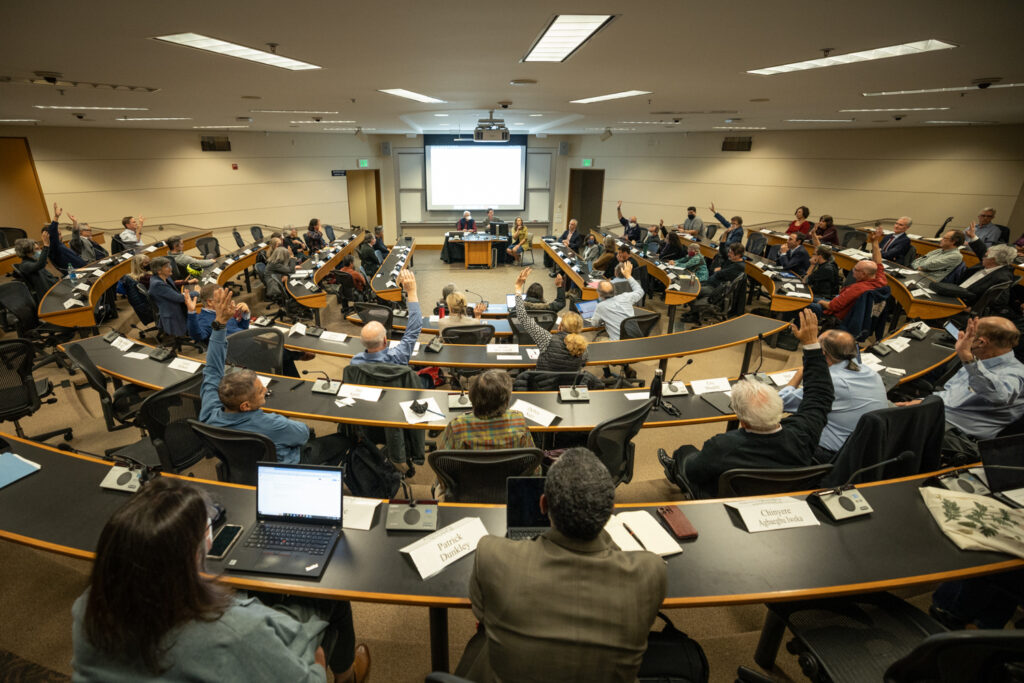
x: 971, y: 294
x: 560, y: 609
x: 894, y: 247
x: 796, y: 260
x: 576, y: 243
x: 171, y: 304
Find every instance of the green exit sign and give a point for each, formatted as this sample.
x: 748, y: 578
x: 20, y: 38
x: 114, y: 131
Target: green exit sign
x: 588, y: 162
x: 364, y: 163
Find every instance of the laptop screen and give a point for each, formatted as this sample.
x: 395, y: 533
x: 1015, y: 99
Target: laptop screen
x: 298, y: 492
x: 586, y: 308
x: 523, y: 508
x: 1007, y: 451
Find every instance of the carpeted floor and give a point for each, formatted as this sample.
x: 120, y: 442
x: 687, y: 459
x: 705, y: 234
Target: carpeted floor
x: 39, y: 587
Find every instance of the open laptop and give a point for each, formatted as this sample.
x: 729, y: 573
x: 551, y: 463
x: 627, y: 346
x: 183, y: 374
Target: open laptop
x: 1007, y: 485
x: 298, y: 521
x: 523, y: 518
x: 586, y: 308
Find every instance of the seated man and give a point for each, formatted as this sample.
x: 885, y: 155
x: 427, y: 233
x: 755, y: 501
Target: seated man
x: 375, y: 337
x: 987, y: 394
x: 169, y: 299
x: 131, y: 236
x: 710, y: 290
x: 358, y: 278
x: 378, y: 243
x: 867, y: 275
x: 732, y: 234
x: 176, y: 251
x: 989, y: 232
x: 567, y: 605
x: 491, y: 424
x: 792, y: 255
x: 236, y: 401
x: 368, y: 256
x: 693, y: 225
x: 613, y: 308
x: 622, y: 254
x: 466, y: 223
x: 895, y: 246
x: 633, y: 233
x: 938, y: 263
x: 33, y: 265
x: 765, y: 439
x: 995, y: 266
x: 60, y: 255
x: 83, y: 244
x: 652, y: 243
x: 201, y: 314
x: 571, y: 239
x: 314, y: 237
x: 858, y: 390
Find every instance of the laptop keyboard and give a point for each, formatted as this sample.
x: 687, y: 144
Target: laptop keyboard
x: 524, y: 534
x: 290, y: 537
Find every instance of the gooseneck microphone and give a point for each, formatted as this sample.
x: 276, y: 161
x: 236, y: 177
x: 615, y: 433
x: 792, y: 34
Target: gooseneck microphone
x: 844, y: 502
x: 670, y: 389
x: 902, y: 457
x: 325, y: 385
x: 575, y: 393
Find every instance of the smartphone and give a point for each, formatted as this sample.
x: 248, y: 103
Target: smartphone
x: 952, y: 329
x: 224, y: 540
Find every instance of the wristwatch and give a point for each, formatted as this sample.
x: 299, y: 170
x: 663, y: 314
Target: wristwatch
x: 974, y: 359
x: 215, y: 325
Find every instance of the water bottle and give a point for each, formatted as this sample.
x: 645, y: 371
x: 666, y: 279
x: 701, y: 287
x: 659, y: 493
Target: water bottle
x: 71, y: 274
x: 656, y: 384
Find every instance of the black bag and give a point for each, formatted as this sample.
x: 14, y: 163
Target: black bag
x: 672, y: 657
x: 368, y: 473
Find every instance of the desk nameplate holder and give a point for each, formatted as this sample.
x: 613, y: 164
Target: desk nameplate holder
x: 121, y: 478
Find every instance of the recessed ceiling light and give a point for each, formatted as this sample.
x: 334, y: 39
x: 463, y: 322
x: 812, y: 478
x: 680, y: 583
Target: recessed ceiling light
x: 153, y: 118
x: 289, y: 111
x: 220, y: 127
x: 819, y: 120
x: 536, y: 115
x: 964, y: 123
x: 410, y: 95
x: 653, y: 123
x: 863, y: 56
x: 345, y: 129
x: 740, y: 128
x: 564, y: 35
x: 19, y: 120
x: 518, y: 124
x: 440, y: 114
x: 613, y: 96
x: 963, y: 88
x: 223, y: 47
x: 47, y: 106
x: 314, y: 123
x: 898, y: 109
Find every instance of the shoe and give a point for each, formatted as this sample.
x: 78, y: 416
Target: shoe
x: 361, y: 665
x: 307, y: 356
x: 552, y: 273
x: 668, y: 464
x: 946, y: 618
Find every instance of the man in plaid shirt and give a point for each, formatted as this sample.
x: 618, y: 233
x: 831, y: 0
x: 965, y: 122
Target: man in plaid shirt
x: 491, y: 424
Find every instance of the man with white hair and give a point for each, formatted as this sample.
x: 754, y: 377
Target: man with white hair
x: 764, y: 439
x: 375, y: 337
x: 466, y: 223
x: 894, y: 247
x: 995, y: 266
x: 988, y: 232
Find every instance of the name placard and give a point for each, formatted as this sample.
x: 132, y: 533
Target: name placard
x: 768, y: 514
x: 434, y: 552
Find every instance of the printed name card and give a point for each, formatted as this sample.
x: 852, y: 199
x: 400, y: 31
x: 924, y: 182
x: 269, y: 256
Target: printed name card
x: 534, y: 412
x: 705, y: 386
x: 434, y: 552
x: 184, y: 365
x: 122, y: 343
x: 297, y: 328
x: 334, y: 336
x: 503, y: 348
x: 362, y: 393
x: 769, y: 514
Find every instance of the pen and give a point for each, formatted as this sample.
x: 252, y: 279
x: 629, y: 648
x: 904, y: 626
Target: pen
x: 297, y: 385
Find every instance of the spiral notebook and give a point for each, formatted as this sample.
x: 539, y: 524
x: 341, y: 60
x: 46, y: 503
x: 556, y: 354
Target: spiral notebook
x: 14, y: 467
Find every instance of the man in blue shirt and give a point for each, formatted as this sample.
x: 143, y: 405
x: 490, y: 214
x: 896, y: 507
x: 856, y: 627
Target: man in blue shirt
x: 633, y: 232
x: 858, y: 390
x: 236, y: 401
x: 200, y: 318
x: 988, y: 232
x: 732, y: 234
x: 987, y: 394
x: 613, y: 308
x: 375, y: 337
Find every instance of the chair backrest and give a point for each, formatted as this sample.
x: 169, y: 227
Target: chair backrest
x: 13, y: 234
x: 756, y: 243
x: 117, y: 245
x: 732, y: 297
x: 238, y: 238
x: 468, y: 334
x: 164, y: 414
x: 237, y: 451
x: 544, y: 380
x: 981, y: 656
x: 154, y: 310
x: 908, y: 256
x: 858, y: 320
x: 329, y: 231
x: 209, y: 247
x: 346, y: 285
x: 257, y: 233
x: 368, y: 311
x: 96, y: 379
x: 883, y: 434
x: 18, y: 396
x: 16, y: 297
x: 855, y: 240
x: 762, y: 482
x: 956, y: 276
x: 260, y: 349
x: 612, y: 441
x: 479, y: 476
x: 638, y: 326
x: 710, y: 230
x: 994, y: 297
x: 546, y: 320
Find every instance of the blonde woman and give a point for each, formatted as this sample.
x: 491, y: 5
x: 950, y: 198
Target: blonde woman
x: 563, y: 350
x: 457, y: 312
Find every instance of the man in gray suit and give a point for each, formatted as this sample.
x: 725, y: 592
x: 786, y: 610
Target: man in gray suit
x: 568, y: 605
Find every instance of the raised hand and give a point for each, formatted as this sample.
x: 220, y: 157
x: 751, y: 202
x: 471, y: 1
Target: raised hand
x: 807, y: 333
x: 56, y: 211
x: 559, y: 280
x: 223, y: 306
x: 965, y: 341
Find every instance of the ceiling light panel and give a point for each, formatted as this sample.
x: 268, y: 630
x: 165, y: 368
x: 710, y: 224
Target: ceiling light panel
x: 898, y: 109
x: 289, y: 111
x: 313, y: 123
x: 613, y: 96
x: 223, y: 47
x: 19, y: 120
x: 153, y: 118
x: 903, y: 50
x: 963, y: 88
x: 564, y: 35
x: 963, y: 123
x: 410, y: 95
x: 740, y: 128
x: 47, y: 106
x: 219, y: 127
x: 819, y: 120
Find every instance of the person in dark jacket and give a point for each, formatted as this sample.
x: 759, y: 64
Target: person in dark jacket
x: 368, y: 258
x: 894, y: 247
x: 378, y: 243
x: 733, y: 233
x: 60, y: 255
x: 722, y: 276
x: 83, y: 244
x: 169, y: 300
x: 672, y: 248
x: 995, y: 266
x: 314, y: 237
x: 535, y: 296
x: 633, y: 232
x: 792, y: 255
x: 765, y: 439
x: 825, y: 231
x: 563, y: 350
x: 33, y: 265
x: 823, y: 274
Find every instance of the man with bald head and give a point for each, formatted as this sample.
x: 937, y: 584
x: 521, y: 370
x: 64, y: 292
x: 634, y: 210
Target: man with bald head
x: 375, y: 337
x: 858, y: 390
x: 895, y: 246
x: 867, y: 275
x: 987, y: 394
x: 613, y: 308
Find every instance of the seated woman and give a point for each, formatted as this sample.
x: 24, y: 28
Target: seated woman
x: 672, y: 248
x: 294, y: 243
x: 800, y: 224
x: 521, y: 240
x: 33, y: 265
x: 695, y: 263
x: 280, y: 263
x: 563, y: 350
x: 148, y: 614
x: 591, y: 250
x: 457, y: 312
x: 606, y: 257
x: 823, y: 274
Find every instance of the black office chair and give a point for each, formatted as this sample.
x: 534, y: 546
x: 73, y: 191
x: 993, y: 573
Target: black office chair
x: 21, y: 394
x: 368, y: 311
x: 709, y: 231
x: 479, y: 476
x: 856, y: 240
x: 258, y: 349
x: 144, y: 307
x: 209, y: 247
x: 542, y: 380
x: 329, y: 231
x: 762, y: 482
x: 468, y: 334
x: 728, y: 303
x: 993, y: 300
x: 982, y: 656
x: 238, y: 238
x: 612, y: 441
x: 237, y: 451
x: 17, y: 300
x: 257, y: 233
x: 11, y: 235
x: 545, y: 319
x: 347, y: 293
x: 117, y: 245
x: 638, y: 326
x: 756, y: 243
x: 403, y: 445
x: 121, y: 407
x: 170, y: 442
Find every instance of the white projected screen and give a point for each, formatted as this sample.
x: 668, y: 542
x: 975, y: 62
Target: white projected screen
x: 475, y: 176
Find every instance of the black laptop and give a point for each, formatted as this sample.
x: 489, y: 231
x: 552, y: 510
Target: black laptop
x: 1008, y: 452
x: 523, y: 518
x: 298, y: 521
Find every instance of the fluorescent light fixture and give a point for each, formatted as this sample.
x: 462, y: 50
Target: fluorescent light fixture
x: 613, y: 96
x: 819, y: 120
x: 962, y: 88
x: 49, y: 106
x: 740, y: 128
x: 289, y: 111
x: 536, y: 115
x: 19, y: 120
x: 219, y: 127
x: 314, y: 123
x: 863, y: 56
x: 223, y: 47
x: 518, y: 124
x: 440, y: 115
x: 153, y: 118
x: 963, y: 123
x: 897, y: 109
x: 564, y: 35
x: 410, y: 95
x: 349, y: 130
x: 653, y: 123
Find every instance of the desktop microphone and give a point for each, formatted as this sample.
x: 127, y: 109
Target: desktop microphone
x: 964, y: 480
x: 406, y: 515
x: 760, y: 352
x: 670, y: 388
x: 574, y: 393
x: 459, y: 401
x: 844, y: 502
x: 128, y: 475
x: 326, y: 385
x: 470, y: 291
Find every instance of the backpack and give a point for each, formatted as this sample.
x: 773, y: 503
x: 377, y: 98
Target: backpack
x: 368, y: 472
x: 672, y: 657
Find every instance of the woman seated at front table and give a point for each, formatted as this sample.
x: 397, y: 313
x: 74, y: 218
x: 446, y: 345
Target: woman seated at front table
x: 456, y: 315
x: 148, y: 614
x: 521, y: 240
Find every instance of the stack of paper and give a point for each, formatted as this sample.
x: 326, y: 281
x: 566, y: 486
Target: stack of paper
x: 639, y: 530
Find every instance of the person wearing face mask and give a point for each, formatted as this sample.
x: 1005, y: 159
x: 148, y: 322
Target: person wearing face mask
x: 693, y: 225
x: 33, y: 265
x: 591, y: 250
x: 466, y: 223
x: 149, y: 614
x: 634, y: 233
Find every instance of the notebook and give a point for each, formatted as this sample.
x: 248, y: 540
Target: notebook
x: 523, y: 518
x: 14, y: 467
x: 298, y: 521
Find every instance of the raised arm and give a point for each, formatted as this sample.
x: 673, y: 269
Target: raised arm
x: 540, y: 336
x: 876, y: 252
x: 818, y: 392
x: 216, y: 352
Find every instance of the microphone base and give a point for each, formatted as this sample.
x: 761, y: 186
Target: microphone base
x: 962, y: 481
x: 121, y: 478
x: 459, y: 402
x: 673, y: 389
x: 565, y: 395
x: 322, y: 386
x: 404, y: 517
x: 846, y: 504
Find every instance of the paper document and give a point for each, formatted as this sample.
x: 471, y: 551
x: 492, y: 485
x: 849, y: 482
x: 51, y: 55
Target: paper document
x: 533, y: 412
x: 334, y: 337
x: 184, y: 364
x: 781, y: 379
x: 362, y: 393
x: 136, y: 355
x: 767, y: 514
x: 637, y: 395
x: 533, y: 353
x: 503, y: 348
x: 71, y: 303
x: 898, y: 344
x: 434, y: 552
x: 13, y: 467
x: 649, y: 532
x: 122, y: 343
x: 621, y: 536
x: 509, y: 356
x: 357, y: 513
x: 431, y: 414
x: 706, y: 386
x: 297, y: 328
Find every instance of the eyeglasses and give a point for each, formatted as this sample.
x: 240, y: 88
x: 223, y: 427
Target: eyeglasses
x: 986, y: 215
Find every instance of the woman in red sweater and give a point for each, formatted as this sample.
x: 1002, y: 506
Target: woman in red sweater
x: 801, y: 224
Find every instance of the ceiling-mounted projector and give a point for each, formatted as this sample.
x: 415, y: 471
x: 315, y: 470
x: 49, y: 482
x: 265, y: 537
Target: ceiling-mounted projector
x: 491, y: 130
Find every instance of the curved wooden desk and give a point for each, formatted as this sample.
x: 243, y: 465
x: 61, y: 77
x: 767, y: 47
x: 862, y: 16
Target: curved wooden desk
x: 569, y: 264
x: 384, y: 282
x: 227, y: 266
x: 781, y: 300
x: 898, y: 546
x: 305, y: 289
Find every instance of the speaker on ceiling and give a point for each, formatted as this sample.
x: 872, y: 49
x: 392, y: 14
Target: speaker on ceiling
x: 385, y: 149
x: 563, y: 149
